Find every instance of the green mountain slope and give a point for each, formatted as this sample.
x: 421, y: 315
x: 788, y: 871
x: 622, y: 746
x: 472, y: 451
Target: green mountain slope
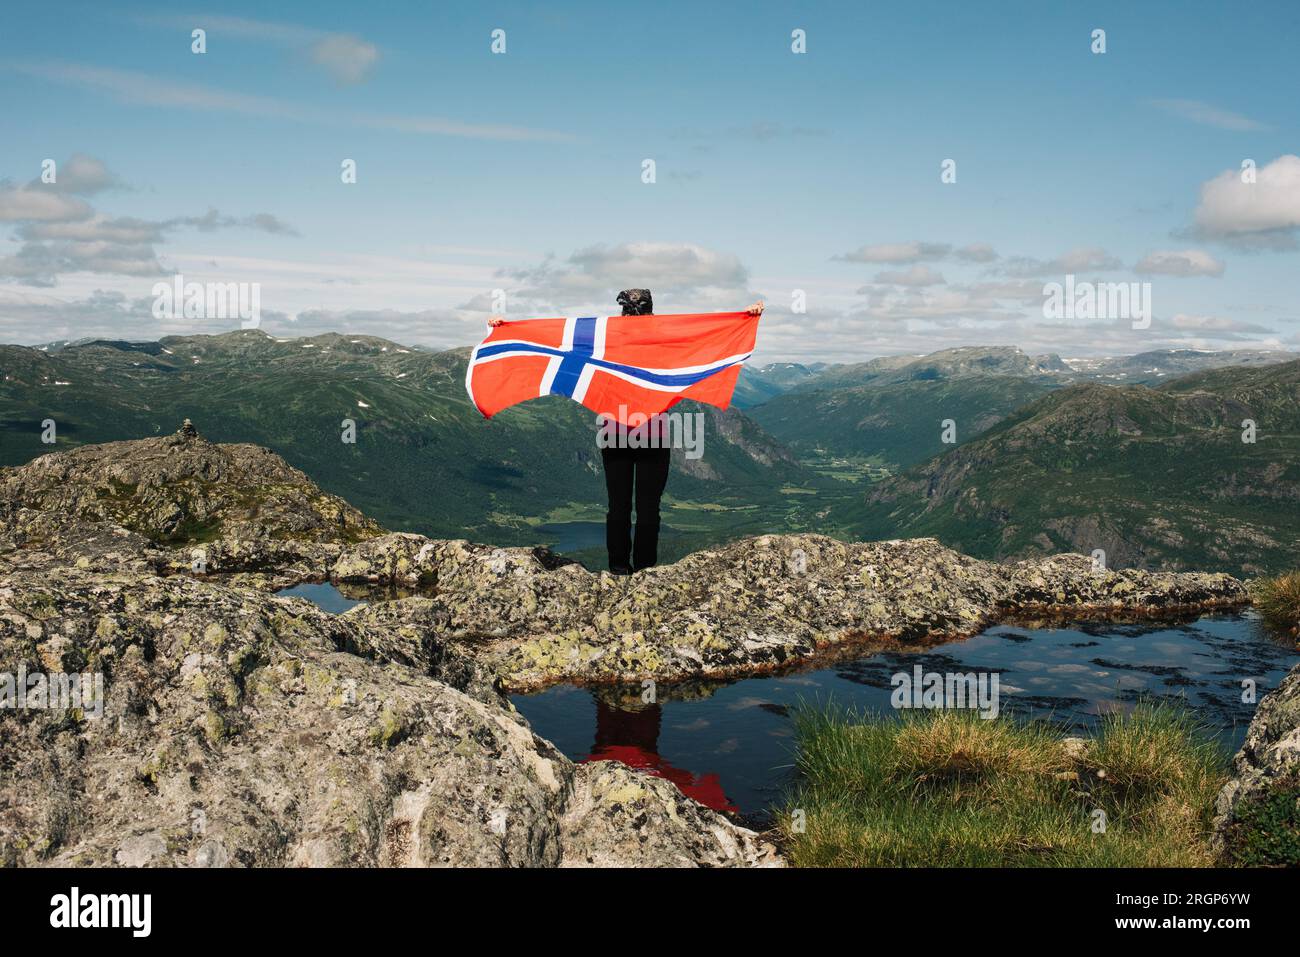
x: 1155, y: 477
x: 423, y: 459
x: 895, y: 424
x: 874, y: 418
x: 885, y: 415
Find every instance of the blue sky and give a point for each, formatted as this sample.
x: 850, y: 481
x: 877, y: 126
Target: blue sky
x: 775, y: 171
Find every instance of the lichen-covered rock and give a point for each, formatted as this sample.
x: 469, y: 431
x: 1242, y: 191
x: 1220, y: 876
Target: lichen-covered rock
x: 31, y: 539
x: 1257, y: 815
x: 755, y: 604
x: 620, y: 817
x: 482, y: 590
x: 398, y: 558
x: 412, y: 631
x: 253, y: 723
x: 1064, y: 583
x: 243, y: 729
x: 181, y: 489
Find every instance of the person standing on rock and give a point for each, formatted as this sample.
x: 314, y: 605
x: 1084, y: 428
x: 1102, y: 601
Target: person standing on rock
x: 636, y: 473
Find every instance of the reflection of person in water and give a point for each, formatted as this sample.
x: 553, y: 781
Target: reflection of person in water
x: 632, y: 736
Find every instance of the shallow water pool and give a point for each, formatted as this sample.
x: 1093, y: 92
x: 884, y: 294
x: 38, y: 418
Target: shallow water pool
x: 731, y: 746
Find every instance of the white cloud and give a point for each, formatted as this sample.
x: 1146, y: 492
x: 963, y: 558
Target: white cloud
x: 1264, y: 214
x: 441, y: 298
x: 1217, y: 324
x: 37, y: 205
x: 855, y: 335
x: 917, y: 276
x: 673, y: 272
x: 1081, y: 259
x: 909, y: 252
x: 346, y: 58
x: 61, y: 233
x: 243, y: 27
x: 40, y: 264
x: 976, y: 253
x: 36, y: 318
x: 970, y: 305
x: 80, y: 174
x: 107, y: 314
x: 213, y: 220
x: 915, y: 252
x: 1185, y: 262
x: 94, y: 228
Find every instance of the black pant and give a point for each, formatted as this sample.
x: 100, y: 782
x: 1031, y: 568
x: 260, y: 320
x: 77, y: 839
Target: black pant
x: 648, y: 470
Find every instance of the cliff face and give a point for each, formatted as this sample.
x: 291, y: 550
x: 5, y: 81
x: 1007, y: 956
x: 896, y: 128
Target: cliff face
x: 1257, y: 818
x: 243, y: 728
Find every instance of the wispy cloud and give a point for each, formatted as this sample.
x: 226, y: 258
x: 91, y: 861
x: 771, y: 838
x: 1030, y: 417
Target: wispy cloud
x: 344, y: 56
x: 1082, y: 259
x: 915, y: 252
x: 909, y: 252
x: 1179, y: 262
x: 591, y: 277
x: 915, y: 277
x: 1218, y: 324
x: 142, y: 89
x: 1208, y: 115
x: 762, y: 131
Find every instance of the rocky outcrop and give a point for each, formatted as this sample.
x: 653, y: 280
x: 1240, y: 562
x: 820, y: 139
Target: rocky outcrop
x: 243, y: 728
x: 619, y: 816
x: 1257, y: 815
x: 240, y: 728
x: 181, y: 489
x: 756, y: 604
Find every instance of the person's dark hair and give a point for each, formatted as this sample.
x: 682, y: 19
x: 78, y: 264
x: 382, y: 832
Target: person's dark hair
x: 636, y: 302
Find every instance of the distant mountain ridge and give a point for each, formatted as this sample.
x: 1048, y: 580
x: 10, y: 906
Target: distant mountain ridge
x: 964, y: 361
x: 852, y: 450
x: 891, y: 410
x: 1168, y: 363
x: 1153, y: 477
x: 757, y: 384
x: 946, y: 364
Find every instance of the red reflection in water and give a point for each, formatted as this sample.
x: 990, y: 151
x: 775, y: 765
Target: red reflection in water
x: 633, y: 738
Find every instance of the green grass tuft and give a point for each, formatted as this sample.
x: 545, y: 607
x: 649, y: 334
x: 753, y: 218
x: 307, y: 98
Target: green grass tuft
x: 950, y: 789
x: 1278, y: 601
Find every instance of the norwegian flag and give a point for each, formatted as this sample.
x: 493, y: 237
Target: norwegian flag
x: 619, y: 366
